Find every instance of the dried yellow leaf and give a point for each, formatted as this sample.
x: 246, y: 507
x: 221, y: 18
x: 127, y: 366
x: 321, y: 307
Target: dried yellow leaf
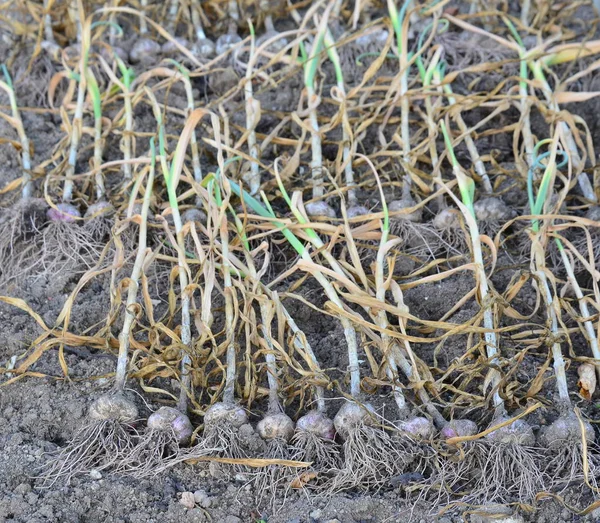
x: 587, y: 380
x: 303, y: 479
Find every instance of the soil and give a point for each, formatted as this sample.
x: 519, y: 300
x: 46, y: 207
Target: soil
x: 41, y: 411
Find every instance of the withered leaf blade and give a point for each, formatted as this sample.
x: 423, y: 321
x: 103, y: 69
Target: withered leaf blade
x: 251, y: 462
x: 587, y: 380
x: 303, y: 479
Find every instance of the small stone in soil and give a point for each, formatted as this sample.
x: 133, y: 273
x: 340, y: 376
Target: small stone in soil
x: 22, y: 489
x: 187, y: 499
x: 215, y: 470
x: 201, y: 497
x: 95, y: 474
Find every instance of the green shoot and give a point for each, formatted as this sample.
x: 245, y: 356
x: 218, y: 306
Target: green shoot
x: 96, y: 97
x: 397, y: 19
x: 537, y: 68
x: 171, y: 182
x: 316, y: 164
x: 124, y: 337
x: 465, y: 183
x: 427, y: 73
x: 127, y: 73
x: 127, y: 77
x: 259, y: 209
x: 467, y: 191
x: 536, y: 203
x: 330, y: 291
x: 311, y: 63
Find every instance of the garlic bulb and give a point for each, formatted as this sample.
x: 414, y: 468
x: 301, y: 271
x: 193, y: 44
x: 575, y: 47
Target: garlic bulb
x: 144, y: 50
x: 221, y: 413
x: 459, y: 428
x: 170, y: 48
x: 320, y: 208
x: 64, y: 212
x: 204, y: 48
x: 493, y: 209
x: 99, y: 209
x: 566, y: 430
x: 406, y: 203
x: 357, y: 210
x: 519, y: 432
x: 351, y: 415
x: 446, y: 219
x: 193, y: 215
x: 276, y: 426
x: 418, y: 426
x: 317, y: 423
x: 169, y: 419
x: 114, y: 407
